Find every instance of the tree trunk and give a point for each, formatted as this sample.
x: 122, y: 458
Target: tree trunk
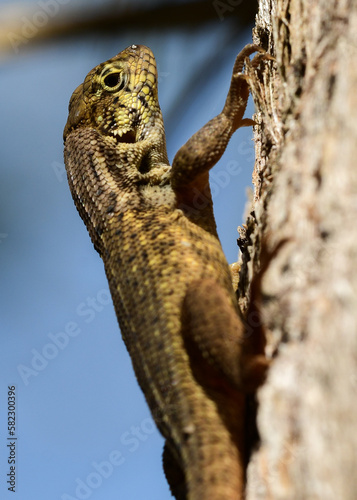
x: 303, y: 222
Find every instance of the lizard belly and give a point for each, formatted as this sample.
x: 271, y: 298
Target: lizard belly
x: 154, y: 262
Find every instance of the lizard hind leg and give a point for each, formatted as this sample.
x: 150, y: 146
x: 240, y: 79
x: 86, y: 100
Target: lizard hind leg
x: 214, y: 449
x: 215, y: 338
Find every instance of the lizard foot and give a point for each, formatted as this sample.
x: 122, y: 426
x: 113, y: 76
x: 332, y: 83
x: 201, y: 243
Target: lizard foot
x: 254, y: 370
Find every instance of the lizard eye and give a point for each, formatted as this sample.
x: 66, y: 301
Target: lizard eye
x: 114, y: 81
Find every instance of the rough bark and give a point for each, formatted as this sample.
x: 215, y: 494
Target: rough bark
x: 305, y: 199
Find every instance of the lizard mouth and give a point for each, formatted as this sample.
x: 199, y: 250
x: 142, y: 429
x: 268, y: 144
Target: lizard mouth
x: 127, y: 136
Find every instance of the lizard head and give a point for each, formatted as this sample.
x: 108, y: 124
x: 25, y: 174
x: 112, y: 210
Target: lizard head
x: 119, y: 98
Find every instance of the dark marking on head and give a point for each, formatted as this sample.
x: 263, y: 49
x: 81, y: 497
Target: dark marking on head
x: 143, y: 101
x: 112, y: 123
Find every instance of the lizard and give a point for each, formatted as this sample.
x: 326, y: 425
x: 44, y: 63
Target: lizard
x: 168, y: 276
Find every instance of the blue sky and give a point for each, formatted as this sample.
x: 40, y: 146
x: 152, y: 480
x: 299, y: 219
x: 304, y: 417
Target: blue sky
x: 83, y: 428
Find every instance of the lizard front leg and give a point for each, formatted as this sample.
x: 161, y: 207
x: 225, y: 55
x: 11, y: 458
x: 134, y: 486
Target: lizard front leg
x: 202, y: 151
x: 191, y: 164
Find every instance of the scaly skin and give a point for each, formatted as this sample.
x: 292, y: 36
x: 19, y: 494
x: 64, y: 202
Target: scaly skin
x: 154, y: 228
